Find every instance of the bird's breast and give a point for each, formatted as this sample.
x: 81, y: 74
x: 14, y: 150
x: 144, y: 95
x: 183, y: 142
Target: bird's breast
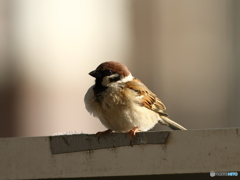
x: 113, y: 97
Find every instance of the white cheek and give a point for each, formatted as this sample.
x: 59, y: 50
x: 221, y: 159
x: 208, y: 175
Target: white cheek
x: 106, y: 81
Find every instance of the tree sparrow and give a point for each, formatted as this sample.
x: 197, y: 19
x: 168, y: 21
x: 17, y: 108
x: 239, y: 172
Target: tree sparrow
x: 123, y: 103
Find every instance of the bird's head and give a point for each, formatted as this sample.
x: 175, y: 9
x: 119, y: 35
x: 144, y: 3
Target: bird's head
x: 111, y: 72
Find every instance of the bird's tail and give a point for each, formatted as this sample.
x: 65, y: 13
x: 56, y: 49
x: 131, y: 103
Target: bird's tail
x: 173, y: 125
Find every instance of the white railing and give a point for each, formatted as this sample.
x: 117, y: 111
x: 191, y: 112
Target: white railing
x: 152, y: 153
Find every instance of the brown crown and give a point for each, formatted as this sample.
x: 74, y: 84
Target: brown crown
x: 114, y: 66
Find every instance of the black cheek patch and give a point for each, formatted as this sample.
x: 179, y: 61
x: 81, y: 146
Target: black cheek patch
x: 114, y: 79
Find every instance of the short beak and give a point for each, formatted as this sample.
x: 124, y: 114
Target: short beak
x: 95, y: 74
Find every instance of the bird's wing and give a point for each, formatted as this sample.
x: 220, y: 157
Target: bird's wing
x: 147, y: 98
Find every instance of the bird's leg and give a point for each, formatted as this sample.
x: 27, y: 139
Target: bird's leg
x: 99, y: 134
x: 132, y: 133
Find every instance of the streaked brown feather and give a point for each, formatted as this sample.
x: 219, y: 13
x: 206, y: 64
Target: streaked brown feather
x: 148, y: 99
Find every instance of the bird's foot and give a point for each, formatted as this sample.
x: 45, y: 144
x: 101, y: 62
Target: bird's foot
x: 99, y: 134
x: 132, y: 133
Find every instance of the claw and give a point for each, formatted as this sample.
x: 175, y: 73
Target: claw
x: 99, y: 134
x: 132, y: 133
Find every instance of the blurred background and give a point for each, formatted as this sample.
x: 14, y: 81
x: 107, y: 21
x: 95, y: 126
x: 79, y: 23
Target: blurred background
x: 187, y: 52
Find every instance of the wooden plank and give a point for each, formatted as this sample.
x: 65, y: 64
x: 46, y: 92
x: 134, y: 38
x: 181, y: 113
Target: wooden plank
x: 86, y: 142
x: 183, y: 152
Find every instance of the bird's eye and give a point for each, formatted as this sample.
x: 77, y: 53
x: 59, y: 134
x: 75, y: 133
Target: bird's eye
x: 108, y: 72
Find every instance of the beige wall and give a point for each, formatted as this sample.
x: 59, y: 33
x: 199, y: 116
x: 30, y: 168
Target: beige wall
x: 186, y: 51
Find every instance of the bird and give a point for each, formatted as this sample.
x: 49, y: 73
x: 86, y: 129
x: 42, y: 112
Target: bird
x: 123, y: 103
